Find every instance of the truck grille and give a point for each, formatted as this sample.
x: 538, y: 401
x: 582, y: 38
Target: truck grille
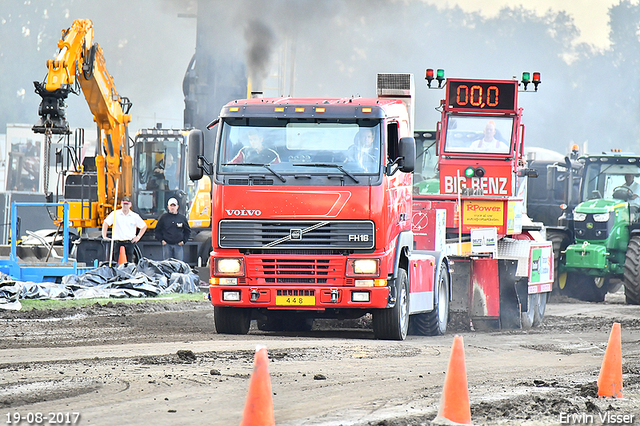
x: 307, y: 271
x: 278, y: 235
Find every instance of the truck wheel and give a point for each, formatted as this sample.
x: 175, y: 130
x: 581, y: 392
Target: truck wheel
x: 270, y: 323
x: 297, y: 323
x: 393, y: 323
x: 528, y: 317
x: 434, y: 323
x: 632, y: 272
x: 232, y: 320
x: 539, y: 311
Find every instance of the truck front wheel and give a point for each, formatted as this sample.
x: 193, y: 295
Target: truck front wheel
x: 632, y: 272
x: 393, y: 323
x: 232, y: 320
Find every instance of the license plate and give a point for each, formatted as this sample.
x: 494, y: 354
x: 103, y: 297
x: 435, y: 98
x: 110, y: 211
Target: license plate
x: 295, y: 300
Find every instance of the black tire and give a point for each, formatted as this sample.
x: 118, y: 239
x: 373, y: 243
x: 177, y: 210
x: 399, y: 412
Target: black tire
x: 393, y: 323
x: 269, y: 323
x: 527, y: 318
x: 560, y: 241
x: 632, y: 272
x: 434, y: 323
x: 204, y: 246
x: 297, y: 323
x: 232, y: 320
x: 586, y: 287
x: 540, y: 309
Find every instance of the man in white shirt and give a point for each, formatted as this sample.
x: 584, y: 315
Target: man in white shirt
x: 489, y: 143
x: 125, y: 225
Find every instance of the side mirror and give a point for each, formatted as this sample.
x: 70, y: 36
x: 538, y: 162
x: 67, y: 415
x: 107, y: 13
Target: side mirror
x: 195, y: 142
x: 407, y: 151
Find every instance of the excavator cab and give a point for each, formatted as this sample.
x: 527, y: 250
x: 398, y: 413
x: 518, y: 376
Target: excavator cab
x: 159, y: 173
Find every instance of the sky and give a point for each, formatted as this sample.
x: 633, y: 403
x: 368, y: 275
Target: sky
x: 160, y: 48
x: 590, y: 16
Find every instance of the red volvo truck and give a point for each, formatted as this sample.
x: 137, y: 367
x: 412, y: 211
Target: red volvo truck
x: 314, y: 216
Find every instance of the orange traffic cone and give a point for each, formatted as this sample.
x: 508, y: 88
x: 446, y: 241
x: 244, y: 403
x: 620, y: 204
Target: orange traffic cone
x: 122, y: 259
x: 258, y: 409
x: 610, y: 377
x: 454, y: 401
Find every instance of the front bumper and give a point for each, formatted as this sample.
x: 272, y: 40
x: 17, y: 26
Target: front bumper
x: 300, y: 297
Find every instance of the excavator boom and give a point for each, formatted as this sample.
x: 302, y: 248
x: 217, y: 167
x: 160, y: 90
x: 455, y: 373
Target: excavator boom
x: 80, y: 63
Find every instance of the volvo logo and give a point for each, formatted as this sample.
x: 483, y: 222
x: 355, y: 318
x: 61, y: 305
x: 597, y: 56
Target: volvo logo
x: 243, y: 212
x: 295, y: 234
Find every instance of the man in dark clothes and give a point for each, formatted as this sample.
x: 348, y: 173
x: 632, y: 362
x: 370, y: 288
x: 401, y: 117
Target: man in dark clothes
x: 173, y: 231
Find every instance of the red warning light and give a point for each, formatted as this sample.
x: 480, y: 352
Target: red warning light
x: 429, y: 76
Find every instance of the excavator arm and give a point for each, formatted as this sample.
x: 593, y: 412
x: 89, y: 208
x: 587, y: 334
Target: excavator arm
x: 80, y: 62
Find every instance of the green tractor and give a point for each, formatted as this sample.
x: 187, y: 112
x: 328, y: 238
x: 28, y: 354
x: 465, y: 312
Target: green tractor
x: 597, y: 242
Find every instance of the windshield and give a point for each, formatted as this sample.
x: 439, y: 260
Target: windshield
x: 601, y: 179
x: 158, y: 176
x: 479, y: 134
x: 301, y: 146
x: 426, y: 177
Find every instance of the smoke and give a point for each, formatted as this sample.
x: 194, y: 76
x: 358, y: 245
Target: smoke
x: 260, y: 41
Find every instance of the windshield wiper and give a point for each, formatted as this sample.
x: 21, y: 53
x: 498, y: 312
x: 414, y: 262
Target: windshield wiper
x: 266, y: 166
x: 335, y: 166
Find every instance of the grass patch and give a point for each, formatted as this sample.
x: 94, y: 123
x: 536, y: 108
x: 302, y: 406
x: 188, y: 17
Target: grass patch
x: 28, y: 304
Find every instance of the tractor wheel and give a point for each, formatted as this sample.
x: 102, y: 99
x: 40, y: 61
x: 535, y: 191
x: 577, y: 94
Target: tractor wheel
x: 632, y: 272
x: 434, y: 323
x: 560, y: 241
x: 393, y: 323
x: 231, y: 320
x: 586, y: 287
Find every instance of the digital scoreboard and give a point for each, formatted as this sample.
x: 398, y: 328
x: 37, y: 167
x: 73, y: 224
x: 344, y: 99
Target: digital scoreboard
x: 482, y: 95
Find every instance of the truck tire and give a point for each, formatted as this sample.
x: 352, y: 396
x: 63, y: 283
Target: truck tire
x: 231, y: 320
x: 528, y: 317
x: 632, y: 272
x: 434, y: 323
x: 269, y: 323
x: 542, y: 306
x: 393, y: 323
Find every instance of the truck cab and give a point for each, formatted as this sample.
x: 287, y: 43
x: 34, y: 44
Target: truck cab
x: 312, y: 212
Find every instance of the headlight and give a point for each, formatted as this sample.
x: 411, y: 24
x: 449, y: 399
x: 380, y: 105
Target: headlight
x: 601, y: 217
x: 579, y: 217
x: 228, y: 267
x: 364, y: 267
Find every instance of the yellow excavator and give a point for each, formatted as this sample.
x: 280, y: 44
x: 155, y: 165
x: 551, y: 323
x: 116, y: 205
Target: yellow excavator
x: 94, y: 185
x: 81, y: 64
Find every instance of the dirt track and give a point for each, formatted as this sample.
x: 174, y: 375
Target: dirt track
x: 163, y: 364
